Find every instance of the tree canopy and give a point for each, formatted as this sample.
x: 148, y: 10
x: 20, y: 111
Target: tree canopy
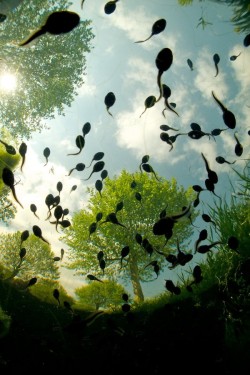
x: 107, y: 294
x: 7, y: 209
x: 35, y: 261
x: 48, y: 71
x: 100, y: 247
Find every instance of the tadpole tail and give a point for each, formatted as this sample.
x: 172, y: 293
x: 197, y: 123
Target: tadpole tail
x: 170, y: 108
x: 23, y: 161
x: 222, y: 107
x: 70, y: 172
x: 141, y: 41
x: 42, y: 238
x: 143, y: 112
x: 109, y: 112
x: 159, y: 85
x: 77, y: 153
x: 15, y: 197
x: 36, y: 34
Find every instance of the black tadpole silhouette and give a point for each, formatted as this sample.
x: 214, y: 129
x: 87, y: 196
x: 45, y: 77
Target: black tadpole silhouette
x: 97, y: 156
x: 46, y: 154
x: 234, y: 57
x: 96, y: 168
x: 49, y: 201
x: 79, y: 167
x: 246, y: 41
x: 24, y: 236
x: 92, y: 228
x: 59, y: 187
x: 124, y: 252
x: 163, y: 61
x: 74, y: 187
x: 58, y: 213
x: 166, y: 93
x: 216, y: 59
x: 109, y: 101
x: 38, y: 233
x: 166, y: 128
x: 59, y: 22
x: 149, y: 102
x: 2, y: 17
x: 92, y: 277
x: 228, y: 116
x: 10, y: 149
x: 190, y: 64
x: 99, y: 186
x: 33, y: 209
x: 111, y: 218
x: 169, y: 285
x: 149, y: 169
x: 86, y: 128
x: 207, y: 219
x: 216, y: 132
x: 80, y: 143
x: 56, y: 295
x: 157, y: 28
x: 212, y: 175
x: 144, y: 160
x: 110, y: 6
x: 31, y: 282
x: 9, y: 180
x: 221, y: 160
x: 22, y: 253
x: 22, y: 151
x: 238, y: 147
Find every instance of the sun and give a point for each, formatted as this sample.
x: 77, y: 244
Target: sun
x: 8, y: 82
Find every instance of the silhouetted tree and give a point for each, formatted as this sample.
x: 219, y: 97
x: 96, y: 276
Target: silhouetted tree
x: 101, y: 295
x: 49, y: 70
x: 37, y: 262
x: 141, y: 208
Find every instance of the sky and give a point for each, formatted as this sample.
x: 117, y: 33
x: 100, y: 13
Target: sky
x: 118, y: 64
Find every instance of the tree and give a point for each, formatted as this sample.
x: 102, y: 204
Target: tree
x: 48, y: 72
x: 139, y: 199
x: 37, y: 261
x: 101, y: 295
x: 7, y: 209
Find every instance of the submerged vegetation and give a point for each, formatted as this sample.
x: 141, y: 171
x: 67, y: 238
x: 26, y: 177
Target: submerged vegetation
x: 134, y: 228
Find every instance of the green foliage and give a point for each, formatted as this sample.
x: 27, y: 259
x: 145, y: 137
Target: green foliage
x: 106, y: 295
x: 7, y: 209
x: 43, y: 290
x: 185, y: 2
x: 49, y: 71
x: 137, y: 217
x: 38, y: 261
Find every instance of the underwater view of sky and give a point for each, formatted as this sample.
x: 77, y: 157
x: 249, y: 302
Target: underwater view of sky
x: 117, y: 64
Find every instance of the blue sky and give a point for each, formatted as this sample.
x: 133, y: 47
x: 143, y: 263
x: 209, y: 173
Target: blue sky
x: 128, y: 69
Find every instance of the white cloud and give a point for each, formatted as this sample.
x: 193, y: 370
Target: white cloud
x: 241, y: 70
x: 36, y: 182
x: 205, y: 80
x: 87, y: 88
